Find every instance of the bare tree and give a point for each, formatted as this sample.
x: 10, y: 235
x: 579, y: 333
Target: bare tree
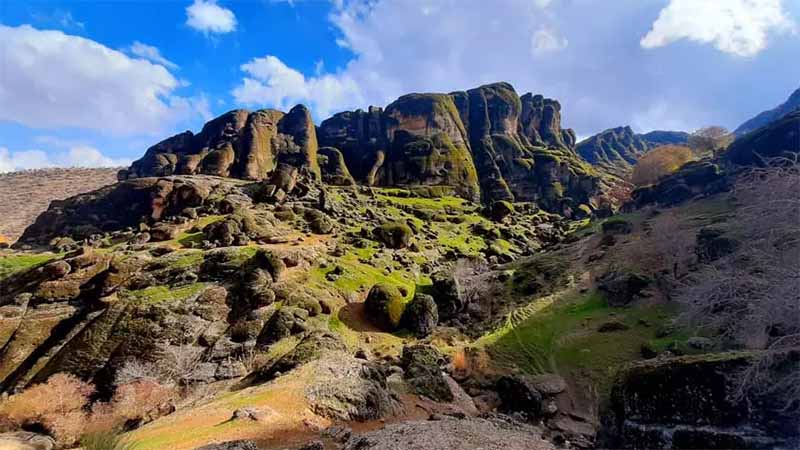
x: 709, y: 141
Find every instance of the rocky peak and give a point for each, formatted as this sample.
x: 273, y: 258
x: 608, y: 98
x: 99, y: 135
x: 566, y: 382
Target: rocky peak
x: 541, y: 122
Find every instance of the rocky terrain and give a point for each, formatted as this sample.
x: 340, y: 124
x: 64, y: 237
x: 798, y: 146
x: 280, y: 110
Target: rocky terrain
x: 443, y: 273
x: 618, y: 149
x: 27, y: 194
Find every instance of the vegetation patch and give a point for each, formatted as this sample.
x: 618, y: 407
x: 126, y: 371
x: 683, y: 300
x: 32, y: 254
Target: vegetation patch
x: 162, y: 294
x: 11, y: 264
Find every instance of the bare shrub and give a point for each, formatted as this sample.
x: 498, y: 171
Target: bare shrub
x: 751, y: 298
x: 710, y: 141
x: 141, y: 399
x: 58, y: 404
x: 179, y: 361
x: 137, y: 369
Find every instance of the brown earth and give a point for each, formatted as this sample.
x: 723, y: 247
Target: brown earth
x: 26, y: 194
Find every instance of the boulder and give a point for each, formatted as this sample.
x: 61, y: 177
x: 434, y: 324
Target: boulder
x: 421, y: 315
x: 447, y: 295
x: 617, y: 226
x: 25, y: 440
x: 621, y: 289
x: 712, y: 244
x: 422, y: 370
x: 519, y: 394
x: 313, y: 345
x: 333, y: 167
x: 350, y: 389
x: 393, y: 235
x: 384, y: 306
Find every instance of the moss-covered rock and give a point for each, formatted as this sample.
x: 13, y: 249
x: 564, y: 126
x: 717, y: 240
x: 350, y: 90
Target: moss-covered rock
x: 394, y: 235
x: 384, y: 306
x: 421, y: 315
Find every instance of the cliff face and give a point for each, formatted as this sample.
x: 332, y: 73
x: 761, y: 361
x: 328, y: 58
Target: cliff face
x: 238, y: 144
x: 791, y: 104
x: 484, y: 144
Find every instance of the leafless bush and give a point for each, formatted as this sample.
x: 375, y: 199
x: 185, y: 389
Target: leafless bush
x: 179, y: 361
x: 751, y: 298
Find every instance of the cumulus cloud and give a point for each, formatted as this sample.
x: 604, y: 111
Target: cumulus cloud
x: 51, y: 79
x: 207, y: 16
x: 77, y: 156
x: 738, y: 27
x: 150, y: 53
x: 271, y: 82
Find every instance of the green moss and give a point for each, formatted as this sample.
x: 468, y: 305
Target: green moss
x: 11, y: 264
x: 161, y: 294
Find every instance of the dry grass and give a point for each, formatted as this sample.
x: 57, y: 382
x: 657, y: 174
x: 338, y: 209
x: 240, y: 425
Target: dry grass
x: 27, y: 194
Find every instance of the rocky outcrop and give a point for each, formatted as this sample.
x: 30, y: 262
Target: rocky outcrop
x: 125, y: 204
x: 697, y: 178
x: 689, y: 402
x: 776, y: 139
x: 486, y: 143
x: 791, y: 105
x: 239, y: 143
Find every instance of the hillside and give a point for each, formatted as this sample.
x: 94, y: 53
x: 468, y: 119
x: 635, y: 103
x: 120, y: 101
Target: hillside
x: 765, y: 118
x: 27, y: 194
x: 436, y: 274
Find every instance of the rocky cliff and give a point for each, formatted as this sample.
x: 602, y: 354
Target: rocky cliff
x: 239, y: 143
x: 776, y: 139
x: 485, y: 143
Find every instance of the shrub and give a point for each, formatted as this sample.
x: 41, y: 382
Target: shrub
x: 58, y: 405
x: 659, y: 163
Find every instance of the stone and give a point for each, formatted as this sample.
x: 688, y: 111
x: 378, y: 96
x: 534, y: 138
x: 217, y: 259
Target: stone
x: 713, y: 245
x: 518, y: 394
x: 422, y: 370
x: 393, y: 235
x: 621, y: 289
x: 446, y: 293
x: 384, y: 306
x: 617, y: 226
x: 420, y: 315
x: 25, y: 440
x: 549, y: 384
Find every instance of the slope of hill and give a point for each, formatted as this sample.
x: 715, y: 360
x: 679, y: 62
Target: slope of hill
x: 616, y: 150
x: 27, y: 194
x: 769, y: 116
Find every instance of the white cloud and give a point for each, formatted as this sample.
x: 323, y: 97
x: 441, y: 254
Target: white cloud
x: 150, y: 53
x: 271, y: 82
x: 207, y: 16
x: 409, y: 46
x: 546, y: 41
x: 51, y: 79
x: 77, y: 156
x: 738, y: 27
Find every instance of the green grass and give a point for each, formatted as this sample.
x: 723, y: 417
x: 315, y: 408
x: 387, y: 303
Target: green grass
x: 161, y: 294
x: 9, y: 265
x: 560, y: 336
x: 436, y: 203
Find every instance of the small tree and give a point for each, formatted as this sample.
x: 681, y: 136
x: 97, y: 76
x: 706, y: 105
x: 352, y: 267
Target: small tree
x: 710, y: 141
x: 659, y: 163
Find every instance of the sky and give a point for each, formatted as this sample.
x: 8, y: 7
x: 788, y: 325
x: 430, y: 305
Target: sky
x: 95, y: 83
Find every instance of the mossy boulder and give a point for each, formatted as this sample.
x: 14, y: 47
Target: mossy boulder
x: 622, y: 288
x: 447, y: 294
x: 384, y: 306
x: 394, y: 235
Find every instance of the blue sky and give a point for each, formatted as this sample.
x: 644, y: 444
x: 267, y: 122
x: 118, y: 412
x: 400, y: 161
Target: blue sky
x: 96, y: 83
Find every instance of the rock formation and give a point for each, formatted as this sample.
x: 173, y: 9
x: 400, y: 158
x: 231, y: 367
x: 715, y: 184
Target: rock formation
x: 485, y: 143
x: 776, y: 139
x: 238, y: 144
